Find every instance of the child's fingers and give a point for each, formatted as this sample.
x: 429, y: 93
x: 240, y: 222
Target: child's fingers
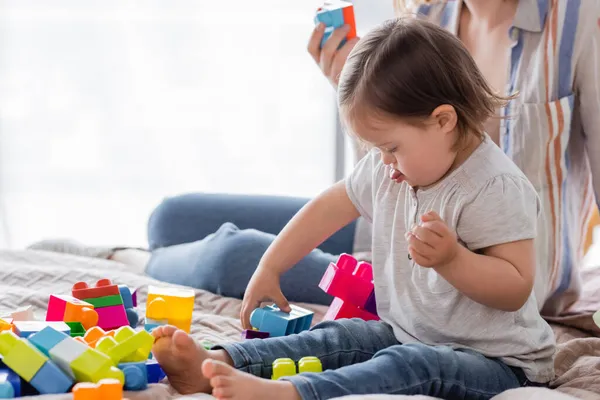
x: 314, y: 44
x: 247, y: 308
x: 431, y: 216
x: 438, y: 227
x: 418, y: 257
x: 427, y: 236
x: 419, y: 246
x: 282, y: 303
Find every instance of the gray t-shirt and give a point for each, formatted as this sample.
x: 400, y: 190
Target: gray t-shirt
x: 487, y: 201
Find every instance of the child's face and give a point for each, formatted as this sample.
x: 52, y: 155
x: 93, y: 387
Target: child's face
x: 422, y: 154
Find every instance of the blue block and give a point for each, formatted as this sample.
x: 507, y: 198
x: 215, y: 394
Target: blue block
x: 155, y: 372
x: 332, y: 19
x: 277, y: 323
x: 46, y: 339
x: 10, y: 384
x: 28, y: 328
x: 50, y: 379
x: 136, y: 375
x: 126, y: 296
x: 132, y: 317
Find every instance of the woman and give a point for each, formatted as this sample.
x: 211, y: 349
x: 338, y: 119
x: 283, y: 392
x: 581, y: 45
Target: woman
x: 547, y: 50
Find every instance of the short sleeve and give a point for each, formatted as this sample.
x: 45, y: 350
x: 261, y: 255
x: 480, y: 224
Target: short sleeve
x: 504, y: 210
x: 360, y: 183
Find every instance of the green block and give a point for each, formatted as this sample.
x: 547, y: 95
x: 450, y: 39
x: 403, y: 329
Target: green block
x: 21, y: 356
x: 77, y: 328
x: 106, y: 301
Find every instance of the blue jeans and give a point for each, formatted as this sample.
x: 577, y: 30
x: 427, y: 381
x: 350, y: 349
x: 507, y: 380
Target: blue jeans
x: 214, y: 242
x: 362, y: 357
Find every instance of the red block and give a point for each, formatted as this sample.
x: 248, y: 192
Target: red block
x: 103, y: 287
x: 349, y: 280
x: 341, y: 309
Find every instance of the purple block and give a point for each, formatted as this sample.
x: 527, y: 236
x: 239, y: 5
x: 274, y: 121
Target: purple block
x: 134, y: 297
x: 252, y: 334
x: 371, y: 304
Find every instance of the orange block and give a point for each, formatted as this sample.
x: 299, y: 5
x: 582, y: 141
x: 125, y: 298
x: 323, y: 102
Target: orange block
x: 348, y: 13
x: 94, y: 334
x: 6, y: 324
x: 105, y: 389
x: 81, y: 313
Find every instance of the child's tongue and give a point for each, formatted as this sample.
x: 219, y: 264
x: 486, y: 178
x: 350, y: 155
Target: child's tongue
x: 396, y: 175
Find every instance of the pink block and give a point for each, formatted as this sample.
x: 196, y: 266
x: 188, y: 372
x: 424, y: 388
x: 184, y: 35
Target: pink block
x: 348, y: 280
x: 112, y: 317
x: 58, y: 304
x: 340, y: 309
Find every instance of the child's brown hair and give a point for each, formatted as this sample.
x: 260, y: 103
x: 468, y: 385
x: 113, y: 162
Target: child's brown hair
x: 408, y: 67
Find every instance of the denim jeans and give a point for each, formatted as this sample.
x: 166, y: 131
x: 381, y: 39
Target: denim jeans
x: 214, y: 242
x: 361, y: 357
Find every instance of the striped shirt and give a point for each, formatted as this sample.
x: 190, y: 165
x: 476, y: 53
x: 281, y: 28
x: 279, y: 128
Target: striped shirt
x: 553, y: 129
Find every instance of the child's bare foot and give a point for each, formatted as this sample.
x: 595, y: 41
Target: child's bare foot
x: 181, y: 358
x: 231, y: 384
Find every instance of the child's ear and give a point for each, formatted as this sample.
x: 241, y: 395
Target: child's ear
x: 445, y: 118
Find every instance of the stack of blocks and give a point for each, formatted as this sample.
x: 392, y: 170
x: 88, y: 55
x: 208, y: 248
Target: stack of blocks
x: 169, y: 306
x: 286, y: 367
x: 351, y: 285
x: 278, y: 323
x: 70, y: 309
x: 334, y: 15
x: 32, y: 365
x: 107, y: 301
x: 128, y: 303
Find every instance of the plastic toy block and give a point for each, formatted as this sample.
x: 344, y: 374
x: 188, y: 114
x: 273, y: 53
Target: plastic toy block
x: 46, y: 339
x: 105, y: 301
x: 127, y: 345
x: 50, y: 379
x: 136, y: 375
x: 6, y: 324
x: 335, y: 14
x: 65, y: 352
x: 174, y: 305
x: 93, y: 335
x: 309, y: 364
x: 126, y: 296
x: 342, y: 309
x: 349, y: 280
x: 134, y: 297
x: 112, y: 317
x: 283, y: 367
x: 154, y: 371
x: 271, y: 319
x: 371, y: 304
x: 93, y: 366
x: 77, y: 329
x: 23, y: 314
x: 10, y: 384
x: 20, y: 356
x: 254, y: 334
x: 25, y: 329
x: 103, y: 287
x: 132, y: 317
x: 70, y: 309
x: 106, y: 389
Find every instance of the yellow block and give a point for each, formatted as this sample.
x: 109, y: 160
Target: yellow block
x: 93, y: 366
x: 170, y: 303
x: 20, y: 356
x: 127, y: 345
x: 283, y: 367
x: 309, y: 364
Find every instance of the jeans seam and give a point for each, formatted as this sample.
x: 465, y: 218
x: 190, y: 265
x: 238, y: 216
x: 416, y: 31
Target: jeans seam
x: 457, y: 383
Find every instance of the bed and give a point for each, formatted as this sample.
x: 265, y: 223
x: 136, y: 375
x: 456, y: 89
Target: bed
x: 29, y: 277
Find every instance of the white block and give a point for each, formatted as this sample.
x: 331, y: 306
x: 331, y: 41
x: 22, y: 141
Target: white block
x: 23, y: 314
x: 64, y: 353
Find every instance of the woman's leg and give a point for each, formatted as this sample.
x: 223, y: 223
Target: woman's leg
x: 192, y: 217
x: 224, y: 261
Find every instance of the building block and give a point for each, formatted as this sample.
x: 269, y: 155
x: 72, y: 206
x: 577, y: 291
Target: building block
x: 70, y: 309
x: 46, y: 339
x: 336, y: 14
x: 65, y: 352
x: 132, y: 317
x: 112, y: 317
x: 105, y: 301
x: 93, y: 335
x: 254, y: 334
x: 103, y: 287
x: 342, y: 309
x: 171, y: 304
x: 25, y: 329
x: 127, y: 345
x: 10, y: 384
x: 93, y: 366
x: 349, y: 280
x: 126, y: 296
x: 105, y: 389
x: 23, y: 314
x: 134, y: 297
x: 154, y: 372
x: 6, y: 324
x: 77, y: 329
x: 371, y: 304
x: 136, y: 375
x: 50, y: 379
x: 283, y: 367
x: 271, y: 319
x: 309, y: 364
x: 32, y: 365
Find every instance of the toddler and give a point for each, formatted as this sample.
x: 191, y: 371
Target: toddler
x: 453, y: 258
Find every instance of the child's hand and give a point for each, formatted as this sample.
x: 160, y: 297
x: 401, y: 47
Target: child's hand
x: 432, y: 243
x: 263, y: 286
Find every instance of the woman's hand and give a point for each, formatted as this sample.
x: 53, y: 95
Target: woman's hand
x: 329, y: 58
x: 263, y: 286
